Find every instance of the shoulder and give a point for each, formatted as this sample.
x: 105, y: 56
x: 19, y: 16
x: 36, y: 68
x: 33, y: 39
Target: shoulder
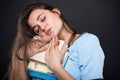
x: 86, y: 43
x: 88, y: 47
x: 87, y: 39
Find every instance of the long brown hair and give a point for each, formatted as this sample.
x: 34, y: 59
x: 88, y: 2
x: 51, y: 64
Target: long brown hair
x: 24, y: 35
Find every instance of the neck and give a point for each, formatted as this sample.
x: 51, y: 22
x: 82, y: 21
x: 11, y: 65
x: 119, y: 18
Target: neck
x: 65, y: 35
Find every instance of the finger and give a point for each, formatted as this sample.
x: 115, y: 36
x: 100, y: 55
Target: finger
x: 47, y: 54
x: 41, y: 49
x: 35, y: 47
x: 56, y: 42
x: 43, y: 39
x: 49, y: 45
x: 48, y: 48
x: 37, y: 43
x: 64, y: 49
x: 52, y: 42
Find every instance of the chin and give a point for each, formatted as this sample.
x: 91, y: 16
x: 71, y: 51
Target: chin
x: 53, y: 34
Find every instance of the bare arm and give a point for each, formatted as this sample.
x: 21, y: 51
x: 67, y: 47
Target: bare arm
x: 20, y: 67
x: 21, y: 72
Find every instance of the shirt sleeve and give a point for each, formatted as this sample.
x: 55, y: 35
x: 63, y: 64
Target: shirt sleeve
x: 91, y: 58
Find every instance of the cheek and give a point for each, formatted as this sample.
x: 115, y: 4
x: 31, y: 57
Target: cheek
x: 56, y: 25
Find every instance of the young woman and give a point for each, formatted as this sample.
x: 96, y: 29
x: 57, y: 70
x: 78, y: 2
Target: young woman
x: 86, y: 57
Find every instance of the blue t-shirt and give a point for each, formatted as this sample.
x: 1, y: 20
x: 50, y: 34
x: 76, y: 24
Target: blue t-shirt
x: 86, y: 58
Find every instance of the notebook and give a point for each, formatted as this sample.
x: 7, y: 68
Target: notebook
x: 38, y: 68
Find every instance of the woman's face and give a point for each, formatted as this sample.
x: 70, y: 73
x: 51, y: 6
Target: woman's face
x: 44, y: 22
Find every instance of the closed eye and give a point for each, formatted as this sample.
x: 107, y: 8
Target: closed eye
x: 36, y: 29
x: 42, y: 18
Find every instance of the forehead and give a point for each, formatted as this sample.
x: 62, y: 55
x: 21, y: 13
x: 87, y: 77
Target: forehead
x: 34, y: 14
x: 37, y: 11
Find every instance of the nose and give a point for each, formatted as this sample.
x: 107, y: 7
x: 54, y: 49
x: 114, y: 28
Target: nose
x: 43, y: 27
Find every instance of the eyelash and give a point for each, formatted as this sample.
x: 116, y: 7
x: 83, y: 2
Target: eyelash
x: 42, y: 20
x: 38, y: 29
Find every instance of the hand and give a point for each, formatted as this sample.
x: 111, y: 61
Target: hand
x: 37, y: 44
x: 54, y: 56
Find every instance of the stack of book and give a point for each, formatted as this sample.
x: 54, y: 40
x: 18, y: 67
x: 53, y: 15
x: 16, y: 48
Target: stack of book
x: 37, y: 67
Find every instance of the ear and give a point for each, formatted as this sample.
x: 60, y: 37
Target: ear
x: 56, y: 10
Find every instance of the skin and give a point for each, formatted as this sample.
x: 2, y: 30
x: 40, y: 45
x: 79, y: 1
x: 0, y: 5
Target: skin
x: 44, y: 22
x: 49, y: 24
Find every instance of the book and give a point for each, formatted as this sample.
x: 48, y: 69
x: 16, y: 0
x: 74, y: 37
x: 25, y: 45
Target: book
x: 40, y: 56
x: 38, y: 68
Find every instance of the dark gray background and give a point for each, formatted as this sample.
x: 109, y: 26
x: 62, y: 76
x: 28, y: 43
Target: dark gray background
x: 100, y: 17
